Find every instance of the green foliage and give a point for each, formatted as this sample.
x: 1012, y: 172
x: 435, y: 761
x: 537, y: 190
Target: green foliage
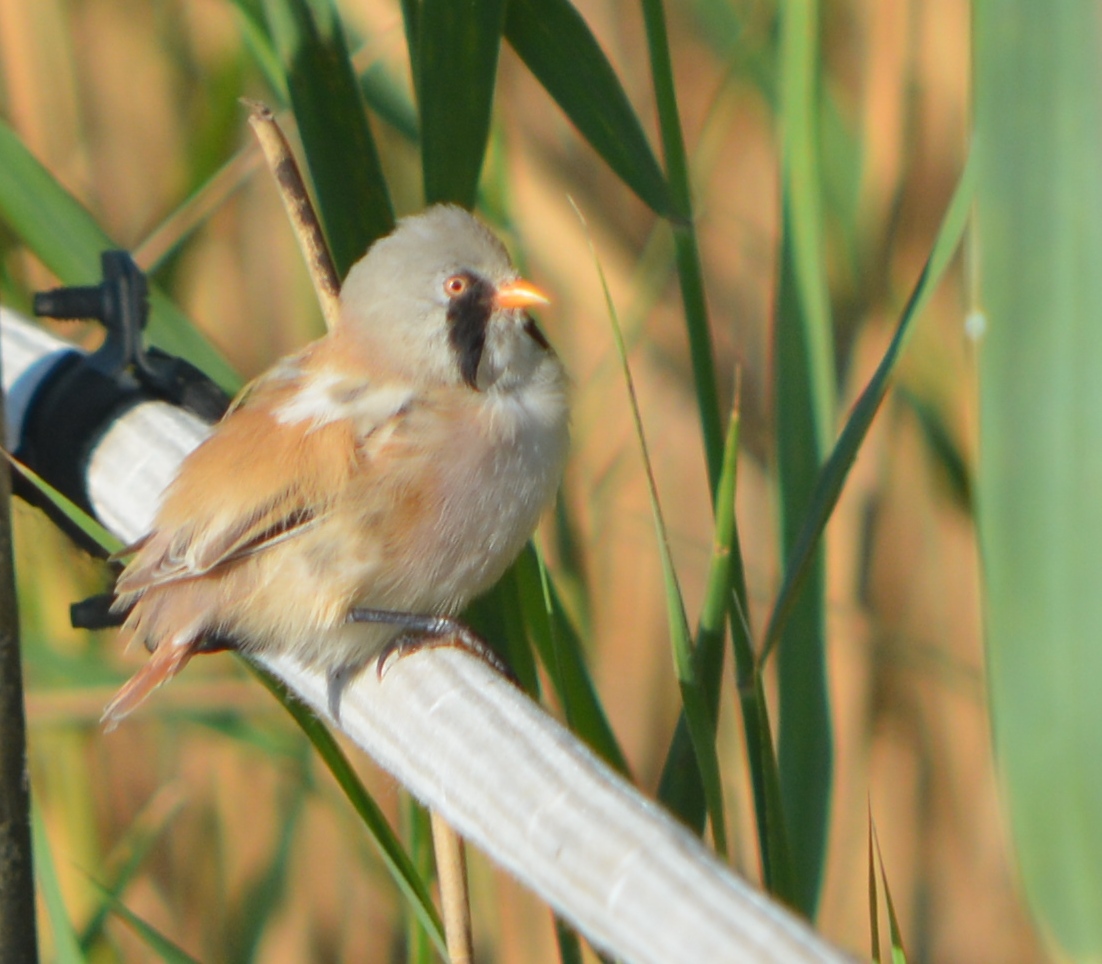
x: 156, y: 942
x: 698, y: 715
x: 456, y: 73
x: 65, y: 939
x: 394, y: 856
x: 353, y: 200
x: 1039, y: 217
x: 559, y: 49
x: 306, y: 57
x: 67, y: 239
x: 878, y: 877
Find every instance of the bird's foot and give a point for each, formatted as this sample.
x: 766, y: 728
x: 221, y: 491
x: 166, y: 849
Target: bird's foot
x: 420, y: 631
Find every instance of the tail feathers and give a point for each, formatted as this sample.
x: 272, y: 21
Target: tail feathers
x: 167, y: 660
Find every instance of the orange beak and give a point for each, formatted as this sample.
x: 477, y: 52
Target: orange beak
x: 519, y: 294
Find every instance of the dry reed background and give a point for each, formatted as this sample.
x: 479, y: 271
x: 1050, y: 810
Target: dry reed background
x: 131, y: 104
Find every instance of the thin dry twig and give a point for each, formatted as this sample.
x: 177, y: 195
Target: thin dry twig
x: 296, y: 199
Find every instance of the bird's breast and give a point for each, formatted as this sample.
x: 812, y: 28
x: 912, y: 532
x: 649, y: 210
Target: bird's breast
x: 483, y: 470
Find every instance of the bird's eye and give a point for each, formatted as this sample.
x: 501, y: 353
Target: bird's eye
x: 456, y: 285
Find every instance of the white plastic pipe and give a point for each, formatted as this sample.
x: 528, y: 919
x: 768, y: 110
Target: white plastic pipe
x: 476, y: 749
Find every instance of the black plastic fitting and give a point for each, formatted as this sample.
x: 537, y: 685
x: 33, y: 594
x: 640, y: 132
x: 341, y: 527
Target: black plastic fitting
x: 77, y: 401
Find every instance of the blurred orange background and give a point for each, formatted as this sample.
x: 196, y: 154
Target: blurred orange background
x: 132, y: 105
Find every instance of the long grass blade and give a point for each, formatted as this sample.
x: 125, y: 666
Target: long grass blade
x: 165, y: 240
x: 65, y: 237
x: 780, y: 877
x: 499, y: 618
x: 411, y: 21
x: 804, y: 395
x: 262, y: 898
x: 417, y: 830
x: 874, y: 901
x: 680, y: 787
x: 899, y: 954
x: 570, y: 945
x: 699, y: 719
x: 690, y: 273
x: 725, y: 597
x: 165, y: 949
x: 66, y: 945
x: 141, y: 836
x: 457, y: 61
x: 803, y: 559
x: 258, y: 42
x: 799, y: 25
x: 805, y: 739
x: 92, y: 530
x: 1039, y: 218
x: 832, y: 476
x: 352, y: 196
x: 557, y: 45
x: 394, y: 857
x: 560, y: 649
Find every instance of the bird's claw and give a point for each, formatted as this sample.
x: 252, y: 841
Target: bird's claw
x: 419, y: 632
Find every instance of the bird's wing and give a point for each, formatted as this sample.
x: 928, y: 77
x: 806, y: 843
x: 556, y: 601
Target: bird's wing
x: 271, y: 470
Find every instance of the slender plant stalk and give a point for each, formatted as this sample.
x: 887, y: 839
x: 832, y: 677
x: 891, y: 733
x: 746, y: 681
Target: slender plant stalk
x: 699, y: 720
x: 417, y: 834
x: 804, y: 403
x: 570, y: 945
x: 18, y: 934
x: 340, y: 150
x: 300, y: 210
x: 708, y: 655
x: 804, y: 740
x: 455, y: 904
x: 689, y: 270
x: 803, y: 216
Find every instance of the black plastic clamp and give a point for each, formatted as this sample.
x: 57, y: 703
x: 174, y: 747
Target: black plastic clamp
x: 82, y: 395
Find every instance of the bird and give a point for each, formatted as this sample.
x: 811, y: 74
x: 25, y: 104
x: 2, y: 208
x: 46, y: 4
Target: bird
x: 361, y: 492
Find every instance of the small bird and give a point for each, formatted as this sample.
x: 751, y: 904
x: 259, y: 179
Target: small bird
x: 368, y: 485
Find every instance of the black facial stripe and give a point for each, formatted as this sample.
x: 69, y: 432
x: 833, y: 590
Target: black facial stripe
x: 468, y: 316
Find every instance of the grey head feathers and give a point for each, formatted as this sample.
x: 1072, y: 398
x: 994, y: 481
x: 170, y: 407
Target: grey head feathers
x: 402, y: 298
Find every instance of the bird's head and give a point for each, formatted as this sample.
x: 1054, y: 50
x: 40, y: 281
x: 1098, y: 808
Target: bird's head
x: 439, y: 299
